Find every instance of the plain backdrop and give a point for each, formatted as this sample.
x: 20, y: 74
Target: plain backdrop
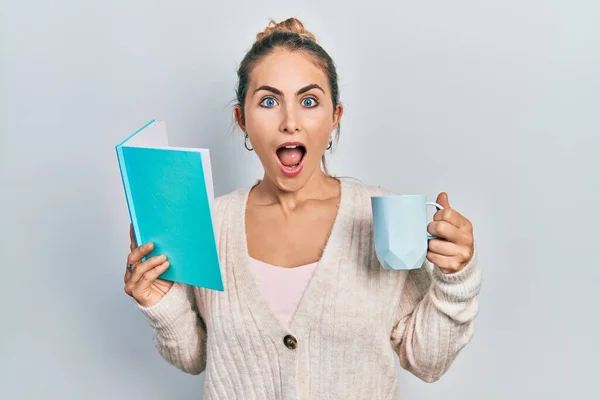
x: 495, y: 102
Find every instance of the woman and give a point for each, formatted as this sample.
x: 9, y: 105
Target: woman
x: 307, y: 312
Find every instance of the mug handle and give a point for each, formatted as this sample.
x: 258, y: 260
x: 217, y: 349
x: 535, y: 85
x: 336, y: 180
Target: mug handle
x: 439, y: 207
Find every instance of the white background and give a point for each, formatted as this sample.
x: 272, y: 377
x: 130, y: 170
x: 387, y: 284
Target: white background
x: 495, y: 102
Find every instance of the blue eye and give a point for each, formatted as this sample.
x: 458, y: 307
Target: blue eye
x: 309, y: 102
x: 269, y: 102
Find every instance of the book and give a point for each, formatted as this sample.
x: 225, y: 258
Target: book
x: 170, y: 199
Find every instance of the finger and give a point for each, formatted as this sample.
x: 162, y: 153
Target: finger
x: 462, y: 253
x: 146, y: 266
x: 132, y: 279
x: 445, y: 230
x: 444, y: 247
x: 442, y: 200
x: 142, y: 286
x: 452, y: 216
x: 140, y: 252
x: 151, y: 275
x: 132, y: 244
x: 446, y: 263
x: 128, y: 273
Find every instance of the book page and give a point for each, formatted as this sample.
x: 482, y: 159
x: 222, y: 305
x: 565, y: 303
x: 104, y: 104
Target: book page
x: 208, y: 178
x: 155, y: 135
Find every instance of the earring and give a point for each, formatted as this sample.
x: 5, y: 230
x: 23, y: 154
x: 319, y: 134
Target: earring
x: 246, y: 141
x: 329, y: 144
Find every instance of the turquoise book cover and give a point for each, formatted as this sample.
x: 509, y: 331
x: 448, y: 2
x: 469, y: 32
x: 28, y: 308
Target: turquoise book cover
x: 170, y: 199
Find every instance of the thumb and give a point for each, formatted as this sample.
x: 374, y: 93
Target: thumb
x: 442, y: 200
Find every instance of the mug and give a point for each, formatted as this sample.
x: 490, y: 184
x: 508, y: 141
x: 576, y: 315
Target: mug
x: 400, y: 230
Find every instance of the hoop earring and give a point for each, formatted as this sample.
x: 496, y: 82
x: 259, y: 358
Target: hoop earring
x: 246, y: 142
x: 329, y: 144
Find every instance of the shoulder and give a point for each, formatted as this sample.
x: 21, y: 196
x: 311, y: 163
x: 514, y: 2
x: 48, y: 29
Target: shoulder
x: 366, y: 190
x: 232, y: 200
x: 224, y: 202
x: 225, y: 207
x: 357, y: 200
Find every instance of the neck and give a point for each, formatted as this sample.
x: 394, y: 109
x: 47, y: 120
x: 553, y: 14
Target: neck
x: 318, y: 187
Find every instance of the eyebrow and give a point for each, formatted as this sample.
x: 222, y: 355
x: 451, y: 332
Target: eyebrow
x: 298, y: 93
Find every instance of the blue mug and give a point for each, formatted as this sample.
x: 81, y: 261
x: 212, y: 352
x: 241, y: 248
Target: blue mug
x: 400, y: 230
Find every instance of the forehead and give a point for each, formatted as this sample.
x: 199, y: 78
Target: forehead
x: 287, y: 71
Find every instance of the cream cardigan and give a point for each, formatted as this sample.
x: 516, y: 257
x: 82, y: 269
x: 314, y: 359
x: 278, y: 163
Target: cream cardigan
x: 352, y: 320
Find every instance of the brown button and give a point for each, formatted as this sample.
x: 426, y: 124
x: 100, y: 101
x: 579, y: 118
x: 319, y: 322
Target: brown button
x: 290, y: 342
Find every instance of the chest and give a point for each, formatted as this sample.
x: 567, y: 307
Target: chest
x: 343, y: 300
x: 289, y: 239
x: 349, y: 297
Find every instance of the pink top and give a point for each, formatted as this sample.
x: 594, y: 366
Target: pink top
x: 282, y: 287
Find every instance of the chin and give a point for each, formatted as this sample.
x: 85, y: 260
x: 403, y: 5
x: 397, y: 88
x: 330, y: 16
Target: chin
x: 292, y: 182
x: 286, y: 184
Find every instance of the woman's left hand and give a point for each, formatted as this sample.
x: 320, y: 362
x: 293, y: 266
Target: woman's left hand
x: 454, y: 248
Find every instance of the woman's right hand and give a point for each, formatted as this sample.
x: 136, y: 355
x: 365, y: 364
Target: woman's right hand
x: 141, y: 278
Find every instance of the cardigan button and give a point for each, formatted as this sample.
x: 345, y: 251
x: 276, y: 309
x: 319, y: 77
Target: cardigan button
x: 290, y: 342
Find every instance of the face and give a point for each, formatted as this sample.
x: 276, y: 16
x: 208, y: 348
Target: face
x: 289, y: 117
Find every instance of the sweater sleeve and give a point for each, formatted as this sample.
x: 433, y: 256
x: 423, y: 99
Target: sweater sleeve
x: 179, y: 330
x: 435, y: 318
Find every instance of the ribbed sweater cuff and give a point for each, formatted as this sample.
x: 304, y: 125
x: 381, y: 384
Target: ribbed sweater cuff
x: 460, y: 286
x: 166, y: 312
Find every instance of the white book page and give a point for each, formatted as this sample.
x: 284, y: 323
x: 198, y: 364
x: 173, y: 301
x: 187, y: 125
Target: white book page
x: 208, y: 180
x: 154, y: 135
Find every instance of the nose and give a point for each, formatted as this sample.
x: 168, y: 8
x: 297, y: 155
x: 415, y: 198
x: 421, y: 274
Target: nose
x: 290, y: 122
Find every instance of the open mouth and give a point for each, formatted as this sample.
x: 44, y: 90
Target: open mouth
x: 291, y: 157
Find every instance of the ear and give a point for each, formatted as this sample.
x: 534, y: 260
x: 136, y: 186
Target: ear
x: 337, y: 115
x: 239, y: 116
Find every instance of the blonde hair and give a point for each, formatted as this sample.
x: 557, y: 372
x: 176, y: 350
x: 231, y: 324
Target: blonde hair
x: 291, y: 25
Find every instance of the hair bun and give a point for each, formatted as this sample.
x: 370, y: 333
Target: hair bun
x: 292, y: 25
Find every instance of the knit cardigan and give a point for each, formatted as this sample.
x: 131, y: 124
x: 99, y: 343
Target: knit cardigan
x: 354, y: 317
